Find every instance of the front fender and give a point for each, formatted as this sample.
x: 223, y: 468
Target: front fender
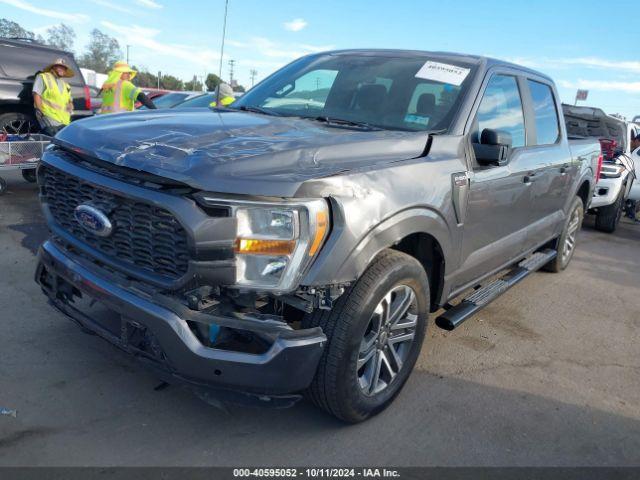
x: 341, y: 264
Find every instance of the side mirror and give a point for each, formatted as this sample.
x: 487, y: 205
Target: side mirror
x: 493, y: 148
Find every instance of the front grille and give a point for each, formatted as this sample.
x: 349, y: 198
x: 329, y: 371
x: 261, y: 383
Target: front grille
x: 145, y: 237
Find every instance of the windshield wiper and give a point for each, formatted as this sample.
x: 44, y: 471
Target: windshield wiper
x: 350, y: 123
x: 251, y: 108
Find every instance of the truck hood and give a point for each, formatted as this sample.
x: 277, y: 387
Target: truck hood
x: 236, y: 152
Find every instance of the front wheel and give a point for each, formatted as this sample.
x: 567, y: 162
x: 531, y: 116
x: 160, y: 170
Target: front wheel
x: 374, y: 332
x: 18, y: 123
x: 30, y: 175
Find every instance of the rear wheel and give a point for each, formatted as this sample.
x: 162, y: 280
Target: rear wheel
x: 374, y: 332
x: 567, y: 240
x: 18, y: 123
x: 608, y: 217
x: 3, y: 186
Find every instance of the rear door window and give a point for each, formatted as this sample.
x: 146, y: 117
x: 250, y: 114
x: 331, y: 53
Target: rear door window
x: 22, y: 62
x: 501, y: 109
x: 546, y: 114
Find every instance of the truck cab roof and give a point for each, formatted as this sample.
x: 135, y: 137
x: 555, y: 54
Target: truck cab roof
x: 481, y: 61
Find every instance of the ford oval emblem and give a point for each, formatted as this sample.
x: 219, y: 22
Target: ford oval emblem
x: 93, y: 220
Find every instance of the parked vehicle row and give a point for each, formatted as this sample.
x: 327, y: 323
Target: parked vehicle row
x: 617, y: 173
x: 297, y: 241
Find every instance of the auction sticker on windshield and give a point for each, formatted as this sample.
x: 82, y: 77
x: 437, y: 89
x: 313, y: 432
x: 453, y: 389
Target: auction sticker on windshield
x: 443, y: 72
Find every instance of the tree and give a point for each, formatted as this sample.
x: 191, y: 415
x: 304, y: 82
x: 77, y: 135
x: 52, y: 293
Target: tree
x: 145, y: 79
x: 102, y: 52
x: 169, y: 82
x: 9, y: 28
x: 212, y: 81
x: 61, y: 36
x: 239, y: 88
x: 194, y: 85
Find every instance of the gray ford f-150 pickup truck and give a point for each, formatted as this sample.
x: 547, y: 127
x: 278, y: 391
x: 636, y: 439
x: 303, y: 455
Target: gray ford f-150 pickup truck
x: 296, y: 241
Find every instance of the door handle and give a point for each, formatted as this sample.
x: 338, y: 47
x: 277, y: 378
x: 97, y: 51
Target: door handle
x: 529, y: 178
x: 563, y: 169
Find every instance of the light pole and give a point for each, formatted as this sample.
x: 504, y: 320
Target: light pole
x: 128, y: 46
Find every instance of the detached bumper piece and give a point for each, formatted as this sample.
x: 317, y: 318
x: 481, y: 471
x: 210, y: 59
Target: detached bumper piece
x: 156, y: 330
x: 479, y: 299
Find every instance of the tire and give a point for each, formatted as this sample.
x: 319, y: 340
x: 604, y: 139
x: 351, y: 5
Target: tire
x: 3, y: 186
x: 608, y: 217
x: 344, y: 385
x: 567, y: 241
x: 14, y: 123
x: 29, y: 175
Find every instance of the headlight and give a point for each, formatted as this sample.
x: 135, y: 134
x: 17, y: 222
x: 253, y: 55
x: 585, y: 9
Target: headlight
x: 611, y: 171
x: 275, y: 241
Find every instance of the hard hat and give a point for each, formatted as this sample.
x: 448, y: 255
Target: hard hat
x: 123, y: 67
x: 63, y: 63
x: 225, y: 90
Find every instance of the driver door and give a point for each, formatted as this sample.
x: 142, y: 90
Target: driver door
x: 499, y: 207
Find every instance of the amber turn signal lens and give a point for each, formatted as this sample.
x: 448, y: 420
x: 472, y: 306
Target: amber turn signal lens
x: 321, y: 230
x: 253, y: 246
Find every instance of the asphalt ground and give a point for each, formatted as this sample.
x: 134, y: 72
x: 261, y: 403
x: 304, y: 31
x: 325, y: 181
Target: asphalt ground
x: 548, y: 374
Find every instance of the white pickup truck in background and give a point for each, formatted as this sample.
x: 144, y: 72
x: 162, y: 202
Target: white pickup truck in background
x: 617, y: 173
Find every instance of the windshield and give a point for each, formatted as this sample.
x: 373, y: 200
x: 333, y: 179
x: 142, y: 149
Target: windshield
x: 168, y: 100
x: 199, y: 101
x: 399, y: 93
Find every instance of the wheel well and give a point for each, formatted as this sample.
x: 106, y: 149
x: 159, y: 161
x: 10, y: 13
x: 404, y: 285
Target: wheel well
x: 426, y: 249
x: 583, y: 193
x: 16, y: 107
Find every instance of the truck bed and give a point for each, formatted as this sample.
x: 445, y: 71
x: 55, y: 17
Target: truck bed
x: 585, y: 148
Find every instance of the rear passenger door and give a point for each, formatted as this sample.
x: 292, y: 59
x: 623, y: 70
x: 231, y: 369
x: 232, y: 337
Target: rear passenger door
x: 555, y: 171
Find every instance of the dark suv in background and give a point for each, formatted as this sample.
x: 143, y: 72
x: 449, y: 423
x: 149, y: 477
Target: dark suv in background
x: 20, y: 61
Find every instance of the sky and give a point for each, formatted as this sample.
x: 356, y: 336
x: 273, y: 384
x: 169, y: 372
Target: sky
x: 587, y: 44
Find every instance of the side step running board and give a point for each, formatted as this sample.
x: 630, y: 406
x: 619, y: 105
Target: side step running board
x: 453, y: 317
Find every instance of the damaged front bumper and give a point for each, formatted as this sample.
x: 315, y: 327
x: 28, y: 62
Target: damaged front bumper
x: 155, y: 329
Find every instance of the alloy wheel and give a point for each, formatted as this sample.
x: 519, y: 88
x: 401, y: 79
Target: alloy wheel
x: 387, y: 340
x: 572, y: 231
x: 18, y: 126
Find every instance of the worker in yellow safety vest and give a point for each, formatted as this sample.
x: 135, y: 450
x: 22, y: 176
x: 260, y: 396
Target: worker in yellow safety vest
x: 52, y: 97
x: 119, y: 94
x: 223, y: 92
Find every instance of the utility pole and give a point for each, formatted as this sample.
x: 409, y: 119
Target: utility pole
x: 128, y: 46
x: 231, y: 64
x: 254, y: 74
x: 159, y: 75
